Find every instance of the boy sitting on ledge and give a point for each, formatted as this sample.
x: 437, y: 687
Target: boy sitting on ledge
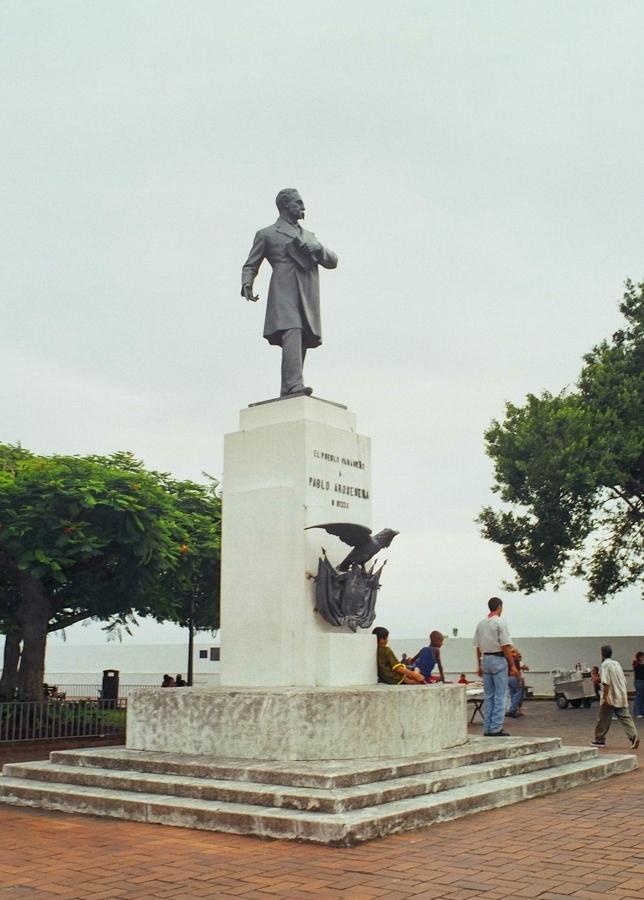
x: 430, y: 656
x: 390, y: 671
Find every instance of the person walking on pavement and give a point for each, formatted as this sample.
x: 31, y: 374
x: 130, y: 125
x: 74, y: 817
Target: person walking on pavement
x: 614, y: 701
x: 638, y: 678
x: 494, y: 663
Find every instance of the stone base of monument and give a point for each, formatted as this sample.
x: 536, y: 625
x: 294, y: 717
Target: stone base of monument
x: 335, y: 766
x: 298, y: 723
x: 332, y: 802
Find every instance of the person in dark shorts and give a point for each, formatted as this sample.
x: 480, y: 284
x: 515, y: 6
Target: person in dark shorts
x: 429, y: 657
x: 638, y: 679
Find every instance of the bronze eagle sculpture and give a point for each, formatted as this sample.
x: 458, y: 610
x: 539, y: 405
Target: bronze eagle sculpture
x: 346, y: 595
x: 364, y: 543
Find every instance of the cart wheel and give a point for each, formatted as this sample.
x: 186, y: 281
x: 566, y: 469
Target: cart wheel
x: 576, y: 703
x: 587, y: 703
x: 561, y: 701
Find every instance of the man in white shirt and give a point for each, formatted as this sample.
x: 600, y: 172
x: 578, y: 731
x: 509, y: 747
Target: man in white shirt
x: 494, y: 661
x: 614, y: 701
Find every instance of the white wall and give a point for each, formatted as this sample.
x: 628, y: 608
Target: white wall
x: 542, y: 655
x: 137, y: 664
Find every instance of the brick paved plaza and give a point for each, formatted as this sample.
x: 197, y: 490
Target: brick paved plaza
x: 587, y: 842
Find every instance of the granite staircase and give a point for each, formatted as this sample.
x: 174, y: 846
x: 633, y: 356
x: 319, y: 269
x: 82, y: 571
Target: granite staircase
x: 332, y: 802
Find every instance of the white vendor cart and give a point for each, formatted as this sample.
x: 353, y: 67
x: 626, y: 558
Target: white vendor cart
x: 573, y: 688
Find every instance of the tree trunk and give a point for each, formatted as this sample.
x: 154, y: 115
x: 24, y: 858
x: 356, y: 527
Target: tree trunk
x: 33, y: 616
x: 9, y: 680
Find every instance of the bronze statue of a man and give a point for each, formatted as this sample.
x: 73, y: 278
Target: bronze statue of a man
x: 293, y: 306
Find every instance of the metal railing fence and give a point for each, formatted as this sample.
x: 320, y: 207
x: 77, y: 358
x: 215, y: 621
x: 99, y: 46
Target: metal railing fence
x: 57, y: 719
x: 91, y: 691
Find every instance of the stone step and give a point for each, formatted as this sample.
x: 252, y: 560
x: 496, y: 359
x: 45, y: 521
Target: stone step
x: 329, y: 828
x: 328, y: 774
x: 335, y: 800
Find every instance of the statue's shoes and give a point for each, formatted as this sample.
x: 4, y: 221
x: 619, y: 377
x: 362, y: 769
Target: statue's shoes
x: 296, y: 392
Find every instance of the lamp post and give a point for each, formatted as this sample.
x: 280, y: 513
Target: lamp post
x: 191, y: 640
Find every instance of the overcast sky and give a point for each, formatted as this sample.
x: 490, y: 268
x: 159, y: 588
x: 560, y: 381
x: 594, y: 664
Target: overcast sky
x: 476, y: 166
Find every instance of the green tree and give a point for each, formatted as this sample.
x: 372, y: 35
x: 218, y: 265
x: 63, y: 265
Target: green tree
x: 101, y: 538
x: 573, y: 465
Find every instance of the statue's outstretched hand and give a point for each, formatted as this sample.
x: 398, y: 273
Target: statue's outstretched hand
x: 247, y: 292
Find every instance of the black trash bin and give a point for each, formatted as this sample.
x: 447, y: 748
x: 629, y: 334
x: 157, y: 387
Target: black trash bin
x: 110, y: 689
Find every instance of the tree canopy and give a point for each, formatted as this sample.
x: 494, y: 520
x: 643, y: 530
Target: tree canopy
x: 572, y: 466
x: 98, y: 537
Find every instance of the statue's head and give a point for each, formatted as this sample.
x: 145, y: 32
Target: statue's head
x: 289, y: 202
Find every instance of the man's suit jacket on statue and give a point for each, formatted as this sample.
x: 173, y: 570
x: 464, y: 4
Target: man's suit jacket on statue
x: 294, y: 292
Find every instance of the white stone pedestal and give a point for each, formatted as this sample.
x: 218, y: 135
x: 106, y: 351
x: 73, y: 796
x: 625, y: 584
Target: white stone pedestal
x: 298, y: 723
x: 294, y: 462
